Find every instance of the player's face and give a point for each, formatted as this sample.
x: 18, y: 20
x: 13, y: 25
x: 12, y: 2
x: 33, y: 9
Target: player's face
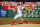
x: 18, y: 5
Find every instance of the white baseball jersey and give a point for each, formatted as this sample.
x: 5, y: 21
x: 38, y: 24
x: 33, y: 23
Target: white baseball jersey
x: 19, y: 12
x: 19, y: 9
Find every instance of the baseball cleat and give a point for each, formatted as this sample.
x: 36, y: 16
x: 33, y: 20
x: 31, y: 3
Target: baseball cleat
x: 12, y: 24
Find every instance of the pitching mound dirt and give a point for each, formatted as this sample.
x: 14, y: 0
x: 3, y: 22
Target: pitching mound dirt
x: 21, y: 25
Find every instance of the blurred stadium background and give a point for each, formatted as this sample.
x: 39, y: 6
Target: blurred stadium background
x: 31, y: 12
x: 32, y: 9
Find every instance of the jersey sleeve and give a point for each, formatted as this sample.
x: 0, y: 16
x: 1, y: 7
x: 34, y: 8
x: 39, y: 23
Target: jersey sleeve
x: 23, y: 7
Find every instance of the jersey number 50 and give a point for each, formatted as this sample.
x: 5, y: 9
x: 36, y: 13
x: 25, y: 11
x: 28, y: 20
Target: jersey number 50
x: 20, y: 8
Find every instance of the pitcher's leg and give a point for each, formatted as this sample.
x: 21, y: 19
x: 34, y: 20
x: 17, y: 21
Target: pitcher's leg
x: 14, y: 19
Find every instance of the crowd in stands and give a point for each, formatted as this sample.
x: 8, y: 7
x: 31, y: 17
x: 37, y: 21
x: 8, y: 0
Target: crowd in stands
x: 13, y: 3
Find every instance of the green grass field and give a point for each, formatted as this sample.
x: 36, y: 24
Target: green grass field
x: 28, y: 19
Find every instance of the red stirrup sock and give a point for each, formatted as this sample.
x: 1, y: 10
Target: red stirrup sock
x: 13, y: 22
